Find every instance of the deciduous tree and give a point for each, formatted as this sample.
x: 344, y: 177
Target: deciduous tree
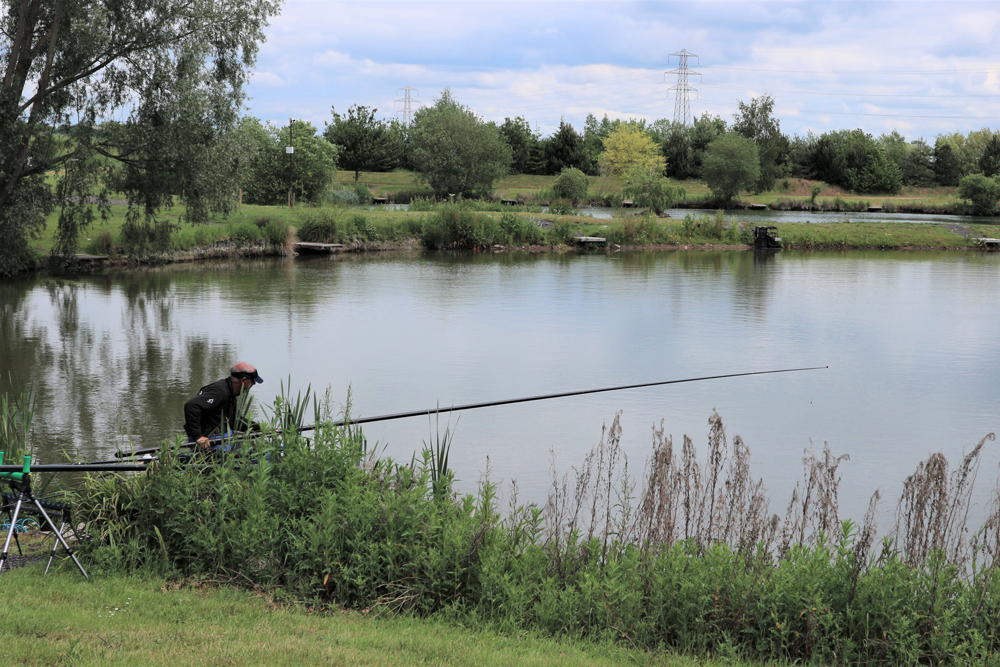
x: 364, y: 141
x: 731, y: 165
x: 456, y: 151
x: 629, y: 147
x: 755, y: 121
x: 172, y: 71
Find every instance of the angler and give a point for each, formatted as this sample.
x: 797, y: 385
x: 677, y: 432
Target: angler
x: 213, y: 410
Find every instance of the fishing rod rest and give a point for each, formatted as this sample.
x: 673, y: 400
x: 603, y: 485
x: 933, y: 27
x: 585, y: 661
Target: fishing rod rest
x: 20, y: 484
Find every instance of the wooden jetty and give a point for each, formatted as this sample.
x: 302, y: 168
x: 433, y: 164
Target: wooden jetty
x: 306, y: 248
x: 874, y: 209
x: 758, y: 207
x: 380, y: 200
x: 83, y: 257
x: 991, y: 244
x: 508, y: 202
x: 587, y: 240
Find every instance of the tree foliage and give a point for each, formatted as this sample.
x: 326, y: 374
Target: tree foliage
x: 649, y: 188
x: 365, y: 142
x: 755, y: 121
x: 981, y: 191
x: 312, y: 166
x: 518, y: 135
x: 947, y: 168
x: 572, y: 184
x: 171, y: 71
x: 628, y: 148
x: 565, y: 149
x: 731, y: 165
x: 989, y: 161
x: 456, y: 151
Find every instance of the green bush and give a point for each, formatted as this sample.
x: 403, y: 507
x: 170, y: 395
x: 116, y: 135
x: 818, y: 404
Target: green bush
x: 572, y: 184
x: 343, y: 197
x: 650, y: 190
x: 519, y: 231
x: 456, y: 226
x: 981, y: 191
x: 421, y: 204
x: 562, y: 207
x: 363, y: 194
x: 276, y: 231
x: 320, y: 226
x: 563, y: 231
x: 244, y: 231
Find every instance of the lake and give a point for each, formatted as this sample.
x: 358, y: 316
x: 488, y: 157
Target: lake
x: 911, y: 339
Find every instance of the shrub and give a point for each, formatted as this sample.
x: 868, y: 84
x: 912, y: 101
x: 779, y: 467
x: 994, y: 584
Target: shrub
x: 519, y: 230
x: 562, y: 207
x: 981, y: 191
x: 363, y: 194
x: 563, y: 231
x: 572, y: 184
x: 244, y: 232
x: 276, y: 231
x: 650, y: 189
x: 320, y: 226
x: 814, y: 192
x: 343, y: 196
x: 421, y: 204
x: 456, y: 226
x: 102, y: 243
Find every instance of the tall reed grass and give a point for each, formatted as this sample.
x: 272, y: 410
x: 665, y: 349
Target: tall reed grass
x: 686, y: 554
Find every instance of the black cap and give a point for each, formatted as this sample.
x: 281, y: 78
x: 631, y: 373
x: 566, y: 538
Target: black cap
x: 243, y: 370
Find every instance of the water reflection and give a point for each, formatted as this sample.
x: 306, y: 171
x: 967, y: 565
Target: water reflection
x: 909, y: 337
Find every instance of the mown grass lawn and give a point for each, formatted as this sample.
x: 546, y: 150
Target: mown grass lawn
x: 61, y: 619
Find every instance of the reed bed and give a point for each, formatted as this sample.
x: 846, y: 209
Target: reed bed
x: 684, y: 554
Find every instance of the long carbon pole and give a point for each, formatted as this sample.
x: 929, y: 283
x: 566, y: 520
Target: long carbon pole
x: 546, y: 397
x: 511, y: 401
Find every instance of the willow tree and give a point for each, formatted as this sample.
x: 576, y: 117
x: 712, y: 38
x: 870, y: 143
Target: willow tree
x: 139, y: 97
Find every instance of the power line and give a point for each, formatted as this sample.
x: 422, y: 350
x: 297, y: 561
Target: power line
x: 863, y: 71
x: 817, y: 92
x: 556, y: 88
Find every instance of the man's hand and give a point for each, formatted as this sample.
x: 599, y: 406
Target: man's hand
x: 203, y: 443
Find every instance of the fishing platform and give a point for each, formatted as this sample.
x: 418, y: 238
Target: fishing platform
x: 305, y: 248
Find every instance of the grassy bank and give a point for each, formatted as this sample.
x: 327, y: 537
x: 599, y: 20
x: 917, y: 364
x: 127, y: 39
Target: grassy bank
x: 787, y: 194
x: 60, y: 619
x: 262, y: 230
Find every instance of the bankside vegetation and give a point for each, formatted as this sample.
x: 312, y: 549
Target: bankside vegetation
x: 688, y: 555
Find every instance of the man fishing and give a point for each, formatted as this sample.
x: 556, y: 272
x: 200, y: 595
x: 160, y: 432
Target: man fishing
x: 213, y: 410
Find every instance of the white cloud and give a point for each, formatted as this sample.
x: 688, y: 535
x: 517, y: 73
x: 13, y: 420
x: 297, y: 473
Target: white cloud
x: 545, y: 61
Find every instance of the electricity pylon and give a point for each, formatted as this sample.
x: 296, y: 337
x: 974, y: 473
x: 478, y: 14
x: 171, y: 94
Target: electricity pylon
x: 682, y: 105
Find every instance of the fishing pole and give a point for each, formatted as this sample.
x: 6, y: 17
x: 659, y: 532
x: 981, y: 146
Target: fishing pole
x: 76, y: 467
x: 509, y: 401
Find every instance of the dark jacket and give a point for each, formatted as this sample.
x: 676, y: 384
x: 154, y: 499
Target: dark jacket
x: 212, y: 411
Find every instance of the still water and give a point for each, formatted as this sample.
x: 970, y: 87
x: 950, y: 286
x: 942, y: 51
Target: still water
x: 771, y: 217
x: 911, y: 339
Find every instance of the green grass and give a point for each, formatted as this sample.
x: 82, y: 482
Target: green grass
x: 62, y: 619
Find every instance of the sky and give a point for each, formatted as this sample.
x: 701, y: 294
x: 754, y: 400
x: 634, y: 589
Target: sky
x: 922, y: 68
